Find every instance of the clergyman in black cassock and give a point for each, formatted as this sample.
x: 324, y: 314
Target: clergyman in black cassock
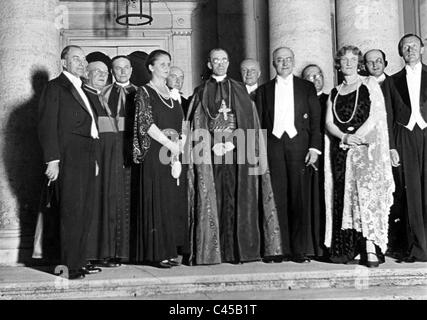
x: 110, y: 235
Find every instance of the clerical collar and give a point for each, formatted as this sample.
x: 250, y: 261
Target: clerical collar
x: 251, y: 88
x: 219, y: 78
x: 285, y: 81
x: 414, y: 69
x: 380, y: 79
x: 122, y: 84
x: 75, y: 80
x: 320, y: 93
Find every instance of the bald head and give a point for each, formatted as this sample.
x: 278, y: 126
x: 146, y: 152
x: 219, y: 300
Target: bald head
x: 175, y: 78
x: 375, y: 62
x: 97, y: 73
x: 283, y: 61
x: 250, y: 71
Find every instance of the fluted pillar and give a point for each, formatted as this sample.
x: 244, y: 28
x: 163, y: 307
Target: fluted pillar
x: 305, y: 27
x: 371, y: 24
x: 423, y: 25
x: 242, y: 30
x: 29, y: 49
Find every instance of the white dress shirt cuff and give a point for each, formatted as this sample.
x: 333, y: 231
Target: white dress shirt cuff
x: 315, y: 150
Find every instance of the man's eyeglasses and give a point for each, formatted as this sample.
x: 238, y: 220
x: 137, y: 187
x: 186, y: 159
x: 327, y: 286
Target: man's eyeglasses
x: 218, y: 61
x: 314, y: 77
x: 372, y: 63
x: 99, y: 72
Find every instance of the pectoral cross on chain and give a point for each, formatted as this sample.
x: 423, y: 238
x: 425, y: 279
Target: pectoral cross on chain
x: 224, y: 109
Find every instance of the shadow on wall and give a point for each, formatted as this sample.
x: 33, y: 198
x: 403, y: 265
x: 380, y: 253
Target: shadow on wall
x: 24, y: 162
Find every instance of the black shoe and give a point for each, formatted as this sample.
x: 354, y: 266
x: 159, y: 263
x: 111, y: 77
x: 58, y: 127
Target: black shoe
x: 409, y: 259
x: 173, y: 262
x: 372, y: 264
x: 163, y: 264
x: 354, y: 261
x: 90, y: 269
x: 75, y: 275
x: 109, y: 263
x: 272, y: 259
x: 301, y: 259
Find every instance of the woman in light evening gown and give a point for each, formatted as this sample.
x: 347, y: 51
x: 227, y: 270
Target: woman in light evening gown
x: 358, y: 177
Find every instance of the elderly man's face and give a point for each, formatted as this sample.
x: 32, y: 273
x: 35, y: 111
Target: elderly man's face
x: 375, y: 63
x: 314, y: 74
x: 122, y: 70
x: 412, y: 50
x: 283, y: 62
x: 218, y: 63
x: 75, y: 62
x: 175, y: 78
x: 250, y: 72
x: 97, y: 74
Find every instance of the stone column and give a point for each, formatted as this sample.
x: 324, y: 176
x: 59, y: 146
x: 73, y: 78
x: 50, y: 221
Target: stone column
x: 423, y: 25
x: 305, y: 27
x: 249, y: 36
x: 371, y: 24
x: 29, y: 50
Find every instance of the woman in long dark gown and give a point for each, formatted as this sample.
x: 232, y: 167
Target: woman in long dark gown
x: 162, y: 207
x: 358, y: 179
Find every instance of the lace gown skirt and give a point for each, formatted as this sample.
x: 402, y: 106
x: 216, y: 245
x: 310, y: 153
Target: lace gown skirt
x: 346, y: 244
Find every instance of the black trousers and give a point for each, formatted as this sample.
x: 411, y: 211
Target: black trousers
x: 295, y: 189
x: 76, y: 188
x: 411, y: 189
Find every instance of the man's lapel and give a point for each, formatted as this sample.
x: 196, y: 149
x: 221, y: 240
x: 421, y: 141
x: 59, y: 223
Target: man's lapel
x: 402, y: 86
x: 297, y: 93
x: 270, y: 90
x: 423, y: 90
x: 67, y: 83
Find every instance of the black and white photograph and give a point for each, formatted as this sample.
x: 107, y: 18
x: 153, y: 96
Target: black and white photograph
x: 213, y: 155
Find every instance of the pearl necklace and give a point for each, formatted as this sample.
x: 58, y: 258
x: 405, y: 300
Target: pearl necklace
x: 153, y: 86
x: 355, y: 103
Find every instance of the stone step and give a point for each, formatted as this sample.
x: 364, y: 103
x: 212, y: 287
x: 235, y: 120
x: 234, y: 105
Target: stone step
x: 146, y: 281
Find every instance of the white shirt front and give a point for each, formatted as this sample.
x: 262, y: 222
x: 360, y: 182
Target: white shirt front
x: 284, y: 113
x: 380, y: 79
x: 251, y: 88
x: 77, y: 83
x: 413, y: 79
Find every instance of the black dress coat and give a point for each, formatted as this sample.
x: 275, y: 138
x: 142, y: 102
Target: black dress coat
x: 65, y: 135
x: 411, y: 180
x: 295, y: 186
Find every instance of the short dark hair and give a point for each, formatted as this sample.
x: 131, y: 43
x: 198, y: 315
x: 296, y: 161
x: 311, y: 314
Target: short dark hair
x: 353, y: 49
x: 310, y: 66
x: 399, y: 47
x: 153, y: 56
x: 217, y: 49
x: 67, y: 49
x: 382, y: 53
x: 120, y: 57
